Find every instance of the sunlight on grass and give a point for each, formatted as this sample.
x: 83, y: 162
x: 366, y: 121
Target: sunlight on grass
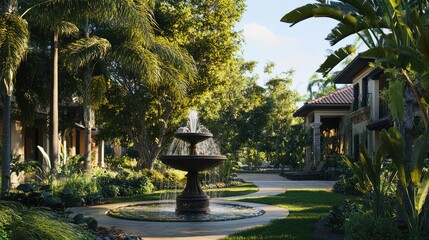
x: 305, y: 208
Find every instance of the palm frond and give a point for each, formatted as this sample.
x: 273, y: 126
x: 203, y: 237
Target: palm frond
x: 176, y: 62
x: 139, y: 61
x: 65, y: 28
x: 14, y: 38
x: 84, y: 51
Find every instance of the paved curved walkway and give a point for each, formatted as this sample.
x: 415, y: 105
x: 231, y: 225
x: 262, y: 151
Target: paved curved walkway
x: 269, y: 184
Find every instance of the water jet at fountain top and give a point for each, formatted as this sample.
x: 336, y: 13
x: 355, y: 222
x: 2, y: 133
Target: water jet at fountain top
x: 206, y: 147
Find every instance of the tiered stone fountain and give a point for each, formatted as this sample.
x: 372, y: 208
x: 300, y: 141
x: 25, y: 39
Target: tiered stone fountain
x: 193, y: 199
x: 193, y: 150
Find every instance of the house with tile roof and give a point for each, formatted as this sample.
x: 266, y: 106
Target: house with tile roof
x: 359, y: 108
x: 323, y: 116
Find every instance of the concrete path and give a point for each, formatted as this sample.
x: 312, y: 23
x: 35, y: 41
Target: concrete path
x: 273, y: 184
x: 269, y: 184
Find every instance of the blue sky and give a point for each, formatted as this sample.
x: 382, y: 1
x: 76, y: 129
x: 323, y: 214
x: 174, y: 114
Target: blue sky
x: 302, y: 47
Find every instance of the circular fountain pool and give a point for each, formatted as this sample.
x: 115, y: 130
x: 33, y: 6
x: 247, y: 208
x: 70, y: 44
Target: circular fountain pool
x: 165, y: 212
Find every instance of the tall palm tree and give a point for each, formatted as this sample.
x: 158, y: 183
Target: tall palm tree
x: 53, y: 14
x: 122, y: 50
x: 85, y: 53
x: 14, y: 37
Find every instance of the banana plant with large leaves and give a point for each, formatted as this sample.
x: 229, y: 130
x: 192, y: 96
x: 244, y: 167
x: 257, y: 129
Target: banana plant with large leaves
x: 411, y: 176
x: 395, y: 32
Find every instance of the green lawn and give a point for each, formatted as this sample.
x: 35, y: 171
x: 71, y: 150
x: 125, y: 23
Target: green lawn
x: 305, y: 208
x: 243, y: 189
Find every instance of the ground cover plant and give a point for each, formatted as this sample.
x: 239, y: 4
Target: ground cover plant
x: 18, y: 222
x: 305, y: 206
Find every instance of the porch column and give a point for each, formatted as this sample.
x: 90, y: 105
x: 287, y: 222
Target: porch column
x: 308, y: 154
x: 316, y: 141
x: 101, y: 153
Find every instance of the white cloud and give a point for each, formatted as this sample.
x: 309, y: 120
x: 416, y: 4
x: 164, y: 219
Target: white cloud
x: 260, y: 33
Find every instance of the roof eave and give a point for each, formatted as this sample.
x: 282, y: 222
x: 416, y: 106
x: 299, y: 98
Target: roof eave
x: 307, y: 108
x: 346, y: 75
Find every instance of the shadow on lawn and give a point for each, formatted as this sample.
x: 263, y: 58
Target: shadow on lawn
x: 305, y: 209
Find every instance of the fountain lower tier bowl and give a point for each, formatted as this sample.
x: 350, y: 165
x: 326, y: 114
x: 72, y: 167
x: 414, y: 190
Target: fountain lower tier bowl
x: 193, y: 163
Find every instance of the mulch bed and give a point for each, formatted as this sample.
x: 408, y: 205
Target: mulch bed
x: 113, y: 233
x: 322, y: 232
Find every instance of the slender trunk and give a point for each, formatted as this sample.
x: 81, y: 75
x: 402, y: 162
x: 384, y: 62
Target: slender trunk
x: 88, y: 120
x: 88, y: 113
x: 6, y: 154
x: 53, y: 143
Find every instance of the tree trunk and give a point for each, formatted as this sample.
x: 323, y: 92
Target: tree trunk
x: 6, y: 153
x: 88, y: 116
x: 88, y: 113
x: 53, y: 143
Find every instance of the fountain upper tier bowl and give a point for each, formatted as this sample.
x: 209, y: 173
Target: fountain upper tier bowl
x: 193, y: 137
x: 193, y: 163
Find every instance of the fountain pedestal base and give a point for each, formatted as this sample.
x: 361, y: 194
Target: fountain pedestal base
x: 192, y: 199
x: 197, y: 205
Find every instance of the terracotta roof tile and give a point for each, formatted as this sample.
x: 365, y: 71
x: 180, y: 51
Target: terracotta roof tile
x: 339, y: 100
x: 342, y: 96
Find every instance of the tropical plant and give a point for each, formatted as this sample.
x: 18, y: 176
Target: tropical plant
x: 339, y: 214
x: 412, y: 178
x: 62, y: 18
x: 394, y: 32
x: 13, y: 49
x: 371, y: 168
x: 366, y: 226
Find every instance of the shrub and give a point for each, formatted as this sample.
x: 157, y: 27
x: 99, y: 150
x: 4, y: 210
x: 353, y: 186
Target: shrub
x: 348, y: 185
x: 124, y: 162
x: 110, y: 191
x: 366, y: 226
x: 155, y: 177
x: 124, y: 183
x: 339, y: 214
x: 175, y: 178
x: 81, y: 186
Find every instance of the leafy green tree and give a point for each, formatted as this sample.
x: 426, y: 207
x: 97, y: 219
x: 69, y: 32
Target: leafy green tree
x: 206, y: 29
x: 147, y: 106
x: 222, y: 112
x: 277, y: 132
x: 14, y: 37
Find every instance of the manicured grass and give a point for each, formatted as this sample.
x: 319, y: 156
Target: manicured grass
x: 243, y: 189
x: 305, y: 208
